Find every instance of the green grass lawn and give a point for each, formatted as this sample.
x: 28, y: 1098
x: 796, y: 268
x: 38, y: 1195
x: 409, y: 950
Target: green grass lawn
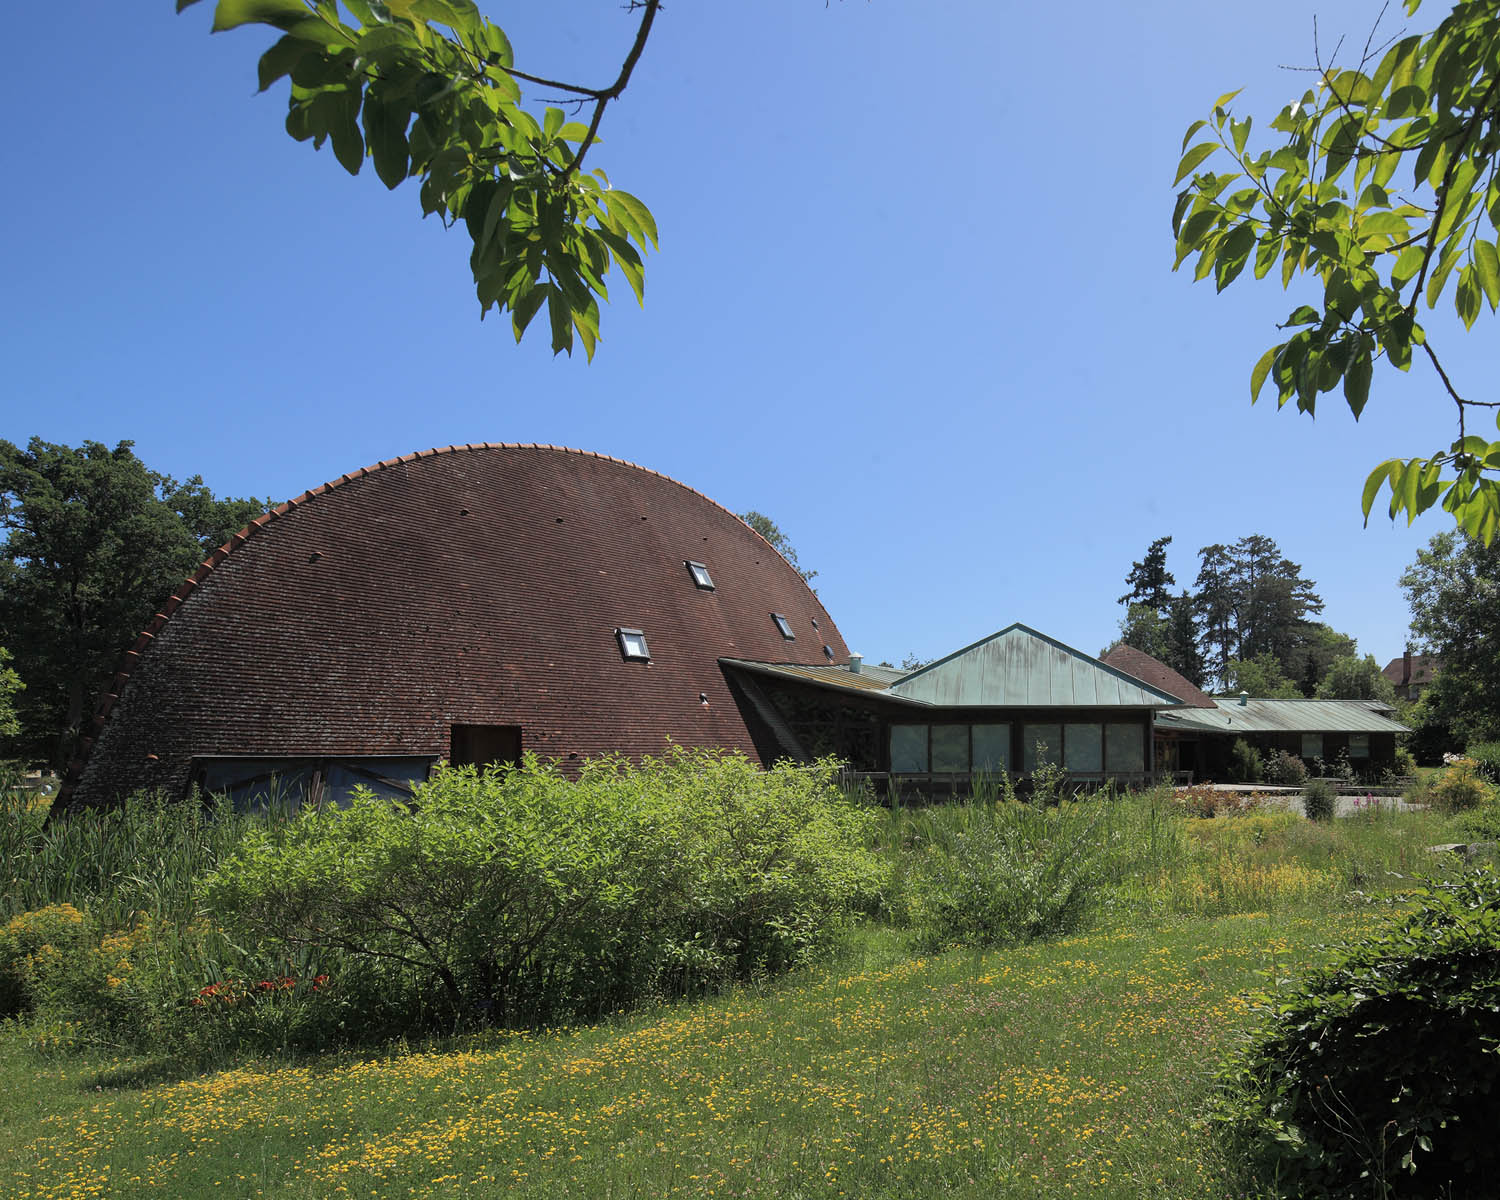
x: 1079, y: 1068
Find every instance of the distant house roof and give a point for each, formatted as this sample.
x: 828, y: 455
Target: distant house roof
x: 1021, y: 668
x: 1157, y: 674
x: 1424, y: 667
x: 1284, y: 716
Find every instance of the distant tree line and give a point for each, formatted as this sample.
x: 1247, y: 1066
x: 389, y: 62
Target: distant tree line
x: 95, y: 542
x: 1246, y: 625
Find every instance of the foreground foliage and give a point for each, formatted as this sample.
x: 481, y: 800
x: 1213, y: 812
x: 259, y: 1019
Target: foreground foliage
x: 430, y: 90
x: 1375, y: 1075
x: 1384, y: 189
x: 1074, y: 1068
x: 517, y: 895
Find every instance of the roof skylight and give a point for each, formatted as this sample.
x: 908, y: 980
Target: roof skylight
x: 785, y: 626
x: 632, y: 644
x: 700, y: 574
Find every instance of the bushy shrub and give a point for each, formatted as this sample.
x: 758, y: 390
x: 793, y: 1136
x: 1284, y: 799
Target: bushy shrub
x: 31, y: 943
x: 1375, y: 1075
x: 1245, y: 765
x: 515, y: 896
x: 1459, y: 787
x: 1010, y: 873
x: 1284, y: 770
x: 1406, y: 761
x: 1480, y: 823
x: 1486, y: 758
x: 1319, y: 800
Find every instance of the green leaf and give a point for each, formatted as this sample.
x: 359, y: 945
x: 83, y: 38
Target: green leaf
x: 1466, y: 296
x: 231, y: 14
x: 1240, y: 132
x: 385, y: 134
x: 1227, y: 97
x: 1357, y: 381
x: 525, y: 308
x: 1192, y: 158
x: 1233, y: 253
x: 640, y: 219
x: 1375, y: 482
x: 560, y: 313
x: 552, y: 122
x: 1487, y: 266
x: 1186, y: 138
x: 1262, y: 368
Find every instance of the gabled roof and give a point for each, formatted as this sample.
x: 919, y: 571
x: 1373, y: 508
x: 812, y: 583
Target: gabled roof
x: 1019, y: 668
x: 1229, y: 716
x: 1424, y: 668
x: 1157, y: 674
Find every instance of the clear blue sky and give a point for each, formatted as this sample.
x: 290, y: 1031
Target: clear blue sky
x: 913, y: 301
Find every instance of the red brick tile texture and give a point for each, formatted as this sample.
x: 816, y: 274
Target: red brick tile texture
x: 475, y: 585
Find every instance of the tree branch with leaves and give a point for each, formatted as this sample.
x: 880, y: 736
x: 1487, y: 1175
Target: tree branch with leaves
x: 1386, y: 189
x: 428, y: 90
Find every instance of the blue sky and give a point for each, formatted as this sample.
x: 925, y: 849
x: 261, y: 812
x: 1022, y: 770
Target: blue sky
x: 913, y: 299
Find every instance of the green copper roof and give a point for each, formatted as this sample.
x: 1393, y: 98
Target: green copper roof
x: 1019, y: 667
x: 1284, y: 716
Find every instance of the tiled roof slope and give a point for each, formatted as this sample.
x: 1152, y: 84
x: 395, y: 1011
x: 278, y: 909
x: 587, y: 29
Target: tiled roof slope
x: 1157, y: 674
x: 475, y: 584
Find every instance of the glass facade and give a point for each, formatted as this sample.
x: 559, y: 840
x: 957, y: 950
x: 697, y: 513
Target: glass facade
x: 259, y: 785
x: 1083, y: 748
x: 1079, y: 747
x: 1312, y: 745
x: 1125, y: 746
x: 1040, y: 744
x: 1359, y: 745
x: 950, y: 748
x: 909, y: 749
x: 991, y: 748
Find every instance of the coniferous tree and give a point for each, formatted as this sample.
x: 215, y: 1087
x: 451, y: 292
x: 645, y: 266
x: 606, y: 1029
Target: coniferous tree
x: 1149, y: 579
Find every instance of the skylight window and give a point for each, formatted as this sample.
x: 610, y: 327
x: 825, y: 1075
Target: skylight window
x: 785, y: 626
x: 700, y: 574
x: 632, y: 644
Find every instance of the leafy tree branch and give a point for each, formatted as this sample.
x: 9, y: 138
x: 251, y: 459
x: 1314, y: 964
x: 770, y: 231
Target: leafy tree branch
x: 1325, y: 203
x: 427, y: 90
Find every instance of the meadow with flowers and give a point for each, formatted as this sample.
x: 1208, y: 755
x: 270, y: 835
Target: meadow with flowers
x: 1076, y: 1060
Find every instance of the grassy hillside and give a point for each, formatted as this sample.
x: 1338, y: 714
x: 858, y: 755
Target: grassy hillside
x: 1078, y: 1068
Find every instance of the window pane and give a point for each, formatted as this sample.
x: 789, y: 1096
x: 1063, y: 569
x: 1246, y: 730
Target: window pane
x: 258, y: 785
x: 909, y: 749
x: 701, y: 577
x: 1125, y: 746
x: 1359, y: 745
x: 992, y: 748
x: 1050, y: 737
x: 388, y: 778
x: 1084, y: 746
x: 950, y: 748
x: 1312, y: 745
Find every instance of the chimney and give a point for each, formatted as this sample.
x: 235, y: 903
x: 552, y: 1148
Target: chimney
x: 1406, y: 667
x: 856, y: 661
x: 1244, y: 699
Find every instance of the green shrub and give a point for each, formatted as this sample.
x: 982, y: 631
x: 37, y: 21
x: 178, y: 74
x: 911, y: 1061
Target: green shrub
x: 1375, y: 1075
x: 1459, y: 787
x: 1319, y: 800
x: 1284, y: 770
x: 1010, y: 873
x: 31, y: 944
x: 1406, y: 761
x: 1486, y: 756
x: 1245, y: 765
x: 1480, y: 823
x: 516, y: 896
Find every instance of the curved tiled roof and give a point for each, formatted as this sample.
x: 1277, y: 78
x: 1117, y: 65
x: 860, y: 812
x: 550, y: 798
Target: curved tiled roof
x: 552, y: 470
x: 1156, y: 673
